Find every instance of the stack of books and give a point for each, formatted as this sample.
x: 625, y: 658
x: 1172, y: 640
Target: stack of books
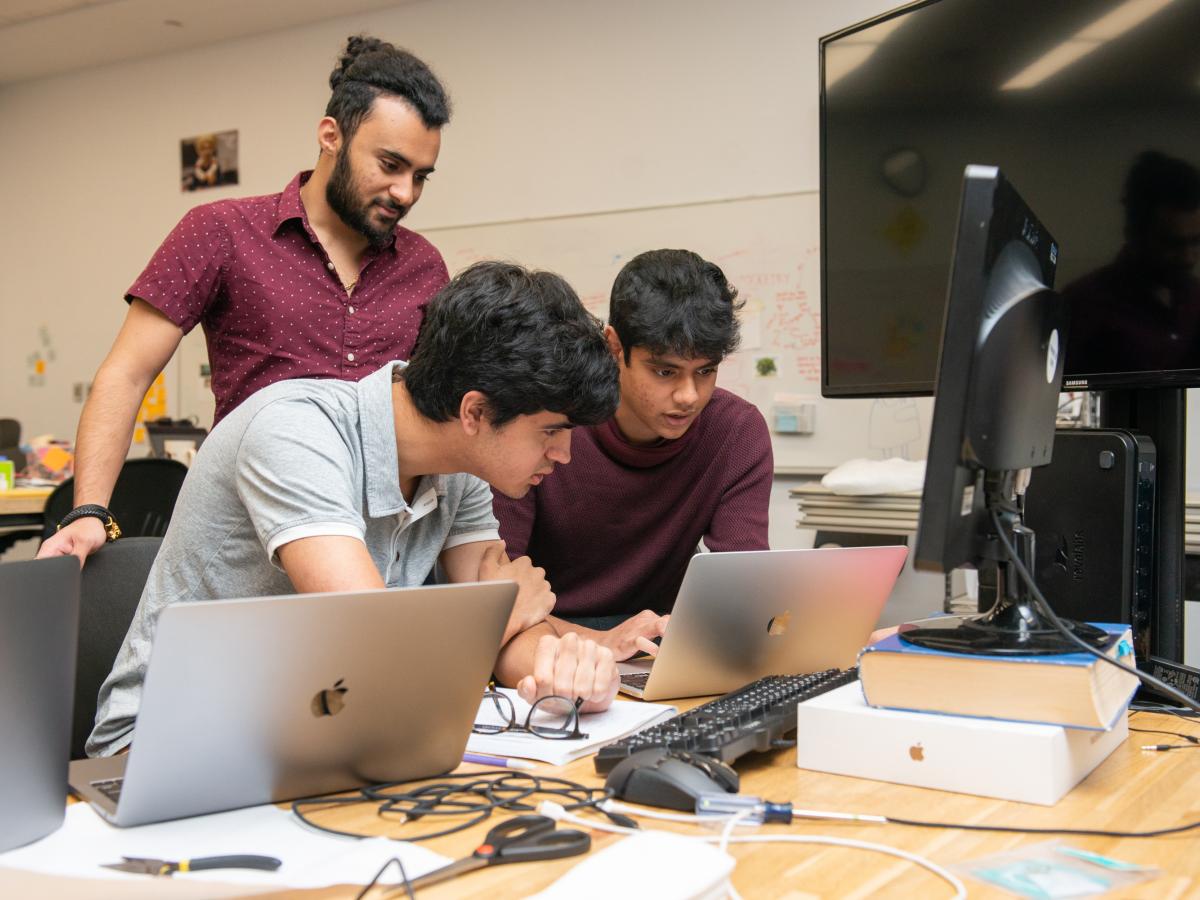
x: 1025, y: 728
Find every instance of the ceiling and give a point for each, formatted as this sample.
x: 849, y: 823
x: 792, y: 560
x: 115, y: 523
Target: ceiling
x: 39, y: 38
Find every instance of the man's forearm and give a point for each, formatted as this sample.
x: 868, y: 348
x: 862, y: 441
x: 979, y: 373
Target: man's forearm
x: 562, y: 626
x: 516, y: 657
x: 105, y: 431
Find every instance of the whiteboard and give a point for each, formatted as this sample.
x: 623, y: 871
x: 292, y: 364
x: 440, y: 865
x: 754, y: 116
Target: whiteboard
x: 768, y: 248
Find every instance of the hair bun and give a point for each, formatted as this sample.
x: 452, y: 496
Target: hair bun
x: 356, y: 46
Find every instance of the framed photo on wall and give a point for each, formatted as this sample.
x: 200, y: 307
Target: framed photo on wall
x: 209, y: 160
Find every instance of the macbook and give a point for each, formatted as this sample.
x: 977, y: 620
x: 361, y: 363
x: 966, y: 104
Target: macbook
x: 745, y: 615
x: 262, y: 700
x: 39, y: 626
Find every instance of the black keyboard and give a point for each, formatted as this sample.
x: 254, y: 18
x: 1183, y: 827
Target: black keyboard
x: 635, y: 680
x: 752, y: 718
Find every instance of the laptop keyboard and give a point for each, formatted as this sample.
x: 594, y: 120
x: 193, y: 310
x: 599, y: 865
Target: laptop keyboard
x: 754, y: 717
x: 110, y: 788
x: 635, y: 680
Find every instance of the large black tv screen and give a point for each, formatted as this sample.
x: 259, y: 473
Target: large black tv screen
x: 1092, y: 106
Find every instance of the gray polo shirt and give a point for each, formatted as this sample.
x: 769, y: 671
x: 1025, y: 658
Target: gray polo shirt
x: 297, y: 459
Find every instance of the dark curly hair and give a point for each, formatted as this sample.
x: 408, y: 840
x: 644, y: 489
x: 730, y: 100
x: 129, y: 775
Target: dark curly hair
x: 370, y: 67
x: 522, y: 339
x: 1157, y: 181
x: 674, y: 302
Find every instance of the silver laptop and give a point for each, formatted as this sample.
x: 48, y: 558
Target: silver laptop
x: 39, y: 625
x: 269, y: 699
x: 742, y: 616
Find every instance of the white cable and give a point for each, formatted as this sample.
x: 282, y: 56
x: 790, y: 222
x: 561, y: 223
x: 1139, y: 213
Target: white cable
x: 960, y: 890
x: 556, y: 811
x: 726, y: 833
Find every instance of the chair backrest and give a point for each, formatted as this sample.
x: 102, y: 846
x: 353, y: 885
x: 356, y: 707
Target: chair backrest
x: 113, y: 579
x: 142, y: 500
x: 10, y: 443
x: 10, y: 433
x: 162, y: 430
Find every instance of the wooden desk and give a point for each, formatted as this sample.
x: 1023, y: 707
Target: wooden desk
x: 24, y: 502
x: 1131, y: 790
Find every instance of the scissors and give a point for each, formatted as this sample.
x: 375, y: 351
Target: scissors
x: 522, y: 839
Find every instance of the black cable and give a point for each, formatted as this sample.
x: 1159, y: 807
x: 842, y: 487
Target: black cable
x: 1084, y: 832
x: 1145, y: 706
x: 1049, y: 613
x: 374, y: 881
x: 474, y: 795
x: 1190, y: 738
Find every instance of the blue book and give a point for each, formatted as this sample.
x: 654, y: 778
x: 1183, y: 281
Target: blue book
x: 1075, y: 690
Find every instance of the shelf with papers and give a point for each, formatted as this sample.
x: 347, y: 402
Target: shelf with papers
x: 823, y: 510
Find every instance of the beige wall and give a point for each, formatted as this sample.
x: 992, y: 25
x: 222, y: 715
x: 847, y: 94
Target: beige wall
x: 562, y: 106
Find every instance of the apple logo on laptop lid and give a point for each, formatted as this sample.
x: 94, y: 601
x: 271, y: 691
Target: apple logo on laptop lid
x: 779, y: 624
x: 330, y: 701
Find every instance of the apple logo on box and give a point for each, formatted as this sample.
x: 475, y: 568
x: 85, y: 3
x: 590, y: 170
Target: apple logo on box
x: 331, y: 701
x: 778, y: 624
x: 916, y: 752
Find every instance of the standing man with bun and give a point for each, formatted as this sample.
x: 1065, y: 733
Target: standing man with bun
x: 318, y: 281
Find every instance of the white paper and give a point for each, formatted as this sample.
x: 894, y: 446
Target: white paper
x: 310, y: 858
x: 622, y: 718
x: 652, y: 864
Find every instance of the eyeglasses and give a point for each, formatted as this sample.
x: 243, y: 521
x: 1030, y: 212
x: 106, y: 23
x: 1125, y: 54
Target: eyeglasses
x: 554, y: 718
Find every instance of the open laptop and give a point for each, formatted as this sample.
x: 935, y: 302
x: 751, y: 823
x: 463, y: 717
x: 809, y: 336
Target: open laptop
x: 39, y: 626
x: 745, y: 615
x: 262, y: 700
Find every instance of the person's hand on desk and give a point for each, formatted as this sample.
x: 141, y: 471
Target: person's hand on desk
x: 570, y: 666
x: 81, y: 538
x: 535, y: 600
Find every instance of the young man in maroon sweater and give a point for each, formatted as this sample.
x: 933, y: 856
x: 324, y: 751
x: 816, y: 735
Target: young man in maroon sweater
x: 681, y: 462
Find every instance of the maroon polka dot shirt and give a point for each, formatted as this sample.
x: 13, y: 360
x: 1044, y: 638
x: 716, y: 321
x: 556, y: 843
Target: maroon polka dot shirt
x: 252, y: 273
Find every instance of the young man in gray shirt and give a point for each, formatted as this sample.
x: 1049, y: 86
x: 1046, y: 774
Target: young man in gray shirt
x: 324, y: 485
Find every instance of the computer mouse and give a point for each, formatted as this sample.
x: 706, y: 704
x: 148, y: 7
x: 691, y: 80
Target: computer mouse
x: 670, y: 778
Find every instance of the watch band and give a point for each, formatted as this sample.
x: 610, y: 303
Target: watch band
x: 111, y: 528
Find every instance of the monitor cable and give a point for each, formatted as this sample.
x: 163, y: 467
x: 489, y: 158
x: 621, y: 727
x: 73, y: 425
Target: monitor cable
x: 1165, y: 689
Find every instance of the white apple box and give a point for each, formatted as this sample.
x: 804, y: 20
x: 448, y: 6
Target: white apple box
x: 837, y: 732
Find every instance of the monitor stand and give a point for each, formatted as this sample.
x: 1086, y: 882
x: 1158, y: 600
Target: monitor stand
x: 1014, y: 626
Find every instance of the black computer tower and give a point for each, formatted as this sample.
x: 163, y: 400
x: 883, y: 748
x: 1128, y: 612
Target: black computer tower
x: 1092, y: 511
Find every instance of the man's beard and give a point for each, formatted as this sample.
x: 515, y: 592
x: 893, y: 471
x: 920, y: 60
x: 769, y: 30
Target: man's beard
x: 344, y: 199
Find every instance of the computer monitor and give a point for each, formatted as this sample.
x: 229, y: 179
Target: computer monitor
x: 999, y: 373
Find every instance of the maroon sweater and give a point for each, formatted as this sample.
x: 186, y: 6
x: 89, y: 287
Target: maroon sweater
x: 616, y: 527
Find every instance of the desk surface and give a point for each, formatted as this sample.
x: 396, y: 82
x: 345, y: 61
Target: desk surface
x: 24, y: 500
x: 1131, y: 790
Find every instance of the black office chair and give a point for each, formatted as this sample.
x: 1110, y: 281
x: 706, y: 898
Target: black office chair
x: 142, y: 500
x: 10, y: 443
x: 112, y: 584
x: 10, y: 433
x: 10, y: 449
